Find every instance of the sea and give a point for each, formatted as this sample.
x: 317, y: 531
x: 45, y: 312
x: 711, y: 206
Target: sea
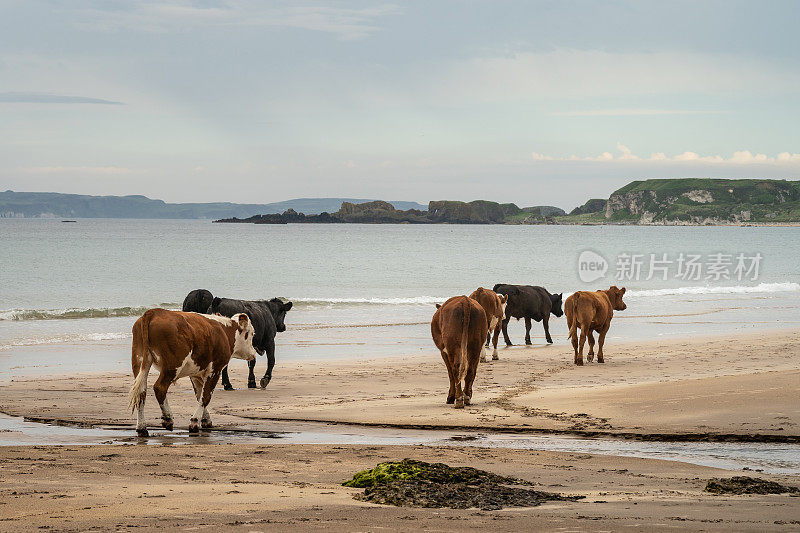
x: 366, y: 291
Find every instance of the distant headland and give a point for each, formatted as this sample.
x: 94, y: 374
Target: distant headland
x: 690, y: 201
x: 685, y: 201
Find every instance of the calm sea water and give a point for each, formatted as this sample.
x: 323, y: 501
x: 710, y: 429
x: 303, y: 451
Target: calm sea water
x: 367, y: 290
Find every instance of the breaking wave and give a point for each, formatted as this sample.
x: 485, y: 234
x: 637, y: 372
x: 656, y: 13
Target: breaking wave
x: 734, y: 289
x: 65, y: 339
x: 414, y: 300
x: 75, y: 313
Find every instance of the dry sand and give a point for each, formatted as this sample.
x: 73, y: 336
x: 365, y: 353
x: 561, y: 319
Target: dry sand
x: 742, y: 386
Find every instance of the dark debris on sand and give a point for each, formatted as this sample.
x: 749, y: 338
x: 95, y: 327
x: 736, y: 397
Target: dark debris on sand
x: 748, y: 485
x: 419, y: 484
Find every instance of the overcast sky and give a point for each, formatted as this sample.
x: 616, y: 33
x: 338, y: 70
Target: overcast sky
x: 548, y: 102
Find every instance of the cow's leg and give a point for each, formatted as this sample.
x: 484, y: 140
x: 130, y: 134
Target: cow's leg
x: 527, y: 331
x: 601, y: 338
x: 494, y: 341
x: 160, y: 388
x: 590, y: 355
x: 226, y: 383
x: 574, y: 339
x: 546, y: 324
x: 141, y: 425
x: 468, y: 380
x: 270, y: 364
x: 251, y: 375
x: 485, y: 349
x: 201, y: 414
x: 581, y: 343
x: 451, y: 395
x: 505, y: 331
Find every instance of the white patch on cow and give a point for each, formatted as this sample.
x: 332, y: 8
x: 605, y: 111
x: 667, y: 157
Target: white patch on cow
x: 188, y: 368
x: 166, y: 412
x: 198, y: 414
x: 493, y: 323
x: 243, y: 342
x: 225, y: 321
x: 503, y: 309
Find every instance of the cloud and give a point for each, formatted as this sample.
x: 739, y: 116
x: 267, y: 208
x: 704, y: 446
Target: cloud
x: 743, y: 157
x: 47, y: 98
x: 348, y: 24
x: 632, y: 112
x: 76, y: 170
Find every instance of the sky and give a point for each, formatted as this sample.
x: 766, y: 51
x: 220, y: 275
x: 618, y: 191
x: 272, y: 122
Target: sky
x: 531, y: 102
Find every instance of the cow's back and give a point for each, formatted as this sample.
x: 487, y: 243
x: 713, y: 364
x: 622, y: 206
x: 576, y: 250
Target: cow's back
x: 527, y: 301
x: 457, y: 317
x: 171, y: 336
x: 489, y: 301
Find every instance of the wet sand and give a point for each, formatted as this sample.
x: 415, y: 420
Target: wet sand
x: 733, y: 387
x: 298, y: 488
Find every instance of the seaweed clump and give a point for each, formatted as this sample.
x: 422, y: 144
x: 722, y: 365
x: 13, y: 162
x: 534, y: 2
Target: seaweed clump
x: 748, y: 485
x: 419, y: 484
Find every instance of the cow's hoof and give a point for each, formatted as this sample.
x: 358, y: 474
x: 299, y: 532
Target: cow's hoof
x: 251, y: 385
x: 509, y: 344
x: 194, y: 428
x: 265, y: 382
x: 579, y: 363
x: 228, y: 387
x: 601, y: 361
x: 459, y: 404
x: 142, y: 432
x: 549, y: 341
x: 450, y: 400
x: 167, y: 424
x: 206, y: 424
x: 467, y: 401
x: 528, y: 343
x: 495, y: 358
x: 484, y: 359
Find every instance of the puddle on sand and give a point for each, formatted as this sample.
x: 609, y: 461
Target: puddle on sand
x: 768, y: 457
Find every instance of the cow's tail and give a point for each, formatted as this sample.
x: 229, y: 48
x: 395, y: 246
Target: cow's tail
x: 140, y: 360
x: 573, y: 328
x: 466, y: 310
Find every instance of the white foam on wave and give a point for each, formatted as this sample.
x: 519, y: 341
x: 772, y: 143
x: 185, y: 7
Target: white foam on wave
x: 72, y: 313
x: 413, y: 300
x: 65, y: 339
x: 730, y: 289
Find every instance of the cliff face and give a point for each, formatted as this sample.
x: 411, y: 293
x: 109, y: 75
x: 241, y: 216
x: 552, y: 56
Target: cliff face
x: 705, y: 201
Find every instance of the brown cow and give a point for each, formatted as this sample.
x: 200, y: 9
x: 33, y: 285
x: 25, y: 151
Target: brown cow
x: 494, y: 305
x: 592, y: 311
x: 459, y: 329
x: 185, y: 344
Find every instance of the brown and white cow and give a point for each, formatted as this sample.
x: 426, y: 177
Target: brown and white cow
x: 185, y: 344
x: 459, y: 329
x: 494, y: 305
x: 592, y: 311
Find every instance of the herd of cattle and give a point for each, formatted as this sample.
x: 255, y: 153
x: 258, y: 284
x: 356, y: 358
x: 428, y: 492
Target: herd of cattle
x: 199, y: 341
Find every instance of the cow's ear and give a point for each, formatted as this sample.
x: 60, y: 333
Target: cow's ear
x: 561, y: 296
x: 438, y: 306
x: 287, y: 306
x: 243, y: 320
x: 622, y: 291
x: 503, y: 298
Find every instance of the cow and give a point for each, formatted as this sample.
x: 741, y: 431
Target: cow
x: 494, y: 305
x: 459, y: 328
x: 529, y: 302
x: 185, y: 344
x: 268, y: 319
x: 592, y: 311
x: 198, y: 301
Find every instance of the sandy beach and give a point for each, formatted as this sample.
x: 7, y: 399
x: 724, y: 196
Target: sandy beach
x: 738, y: 387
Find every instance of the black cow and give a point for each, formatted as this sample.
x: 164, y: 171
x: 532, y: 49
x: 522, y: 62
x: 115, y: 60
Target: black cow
x: 267, y: 318
x: 198, y: 301
x: 529, y: 302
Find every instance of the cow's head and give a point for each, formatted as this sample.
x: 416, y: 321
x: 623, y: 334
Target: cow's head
x: 503, y: 302
x: 279, y: 309
x: 555, y: 304
x: 243, y: 338
x: 615, y: 295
